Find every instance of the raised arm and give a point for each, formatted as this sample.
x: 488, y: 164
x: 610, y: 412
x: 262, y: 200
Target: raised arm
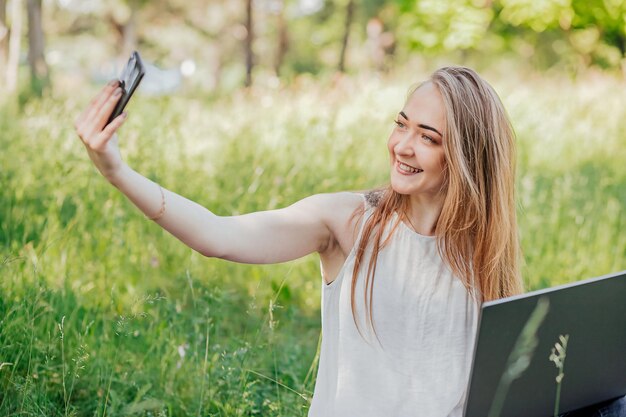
x: 310, y: 225
x: 262, y: 237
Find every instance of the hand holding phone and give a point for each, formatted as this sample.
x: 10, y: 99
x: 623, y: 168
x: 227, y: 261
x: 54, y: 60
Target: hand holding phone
x: 129, y: 80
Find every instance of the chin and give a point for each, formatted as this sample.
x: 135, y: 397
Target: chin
x: 403, y: 190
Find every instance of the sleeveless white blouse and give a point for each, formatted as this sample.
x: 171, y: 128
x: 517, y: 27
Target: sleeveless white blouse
x: 425, y: 320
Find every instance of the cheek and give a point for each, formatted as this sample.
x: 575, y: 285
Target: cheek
x: 442, y: 162
x: 395, y: 138
x: 439, y: 158
x: 390, y: 145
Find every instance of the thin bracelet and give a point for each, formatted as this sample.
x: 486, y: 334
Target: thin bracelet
x: 162, y: 211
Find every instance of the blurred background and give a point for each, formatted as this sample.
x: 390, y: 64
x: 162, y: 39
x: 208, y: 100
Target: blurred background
x: 220, y: 45
x: 251, y: 105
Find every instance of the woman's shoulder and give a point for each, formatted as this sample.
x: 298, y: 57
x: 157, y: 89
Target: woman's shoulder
x: 350, y: 202
x: 347, y: 207
x: 341, y: 202
x: 373, y: 197
x: 352, y: 199
x: 341, y: 212
x: 344, y: 207
x: 338, y: 209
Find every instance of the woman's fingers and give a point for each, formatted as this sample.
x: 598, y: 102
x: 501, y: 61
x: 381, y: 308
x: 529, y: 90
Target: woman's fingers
x: 103, y: 99
x: 96, y: 102
x: 95, y: 119
x: 106, y: 134
x: 104, y: 112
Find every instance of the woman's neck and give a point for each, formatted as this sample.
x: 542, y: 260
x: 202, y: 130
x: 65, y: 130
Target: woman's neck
x: 423, y: 213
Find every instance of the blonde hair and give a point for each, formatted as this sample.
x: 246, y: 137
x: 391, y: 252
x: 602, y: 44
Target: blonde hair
x: 477, y: 229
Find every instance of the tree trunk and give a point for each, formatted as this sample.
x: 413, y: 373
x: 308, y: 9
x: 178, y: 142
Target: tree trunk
x: 621, y: 43
x: 126, y: 32
x: 14, y: 45
x: 283, y: 39
x: 218, y: 64
x: 4, y: 37
x: 129, y: 34
x: 248, y: 43
x: 39, y: 75
x: 346, y: 34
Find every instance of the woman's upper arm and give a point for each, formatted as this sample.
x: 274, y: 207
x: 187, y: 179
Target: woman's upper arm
x: 306, y: 226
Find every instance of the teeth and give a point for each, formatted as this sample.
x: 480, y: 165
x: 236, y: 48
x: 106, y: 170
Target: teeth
x: 407, y: 168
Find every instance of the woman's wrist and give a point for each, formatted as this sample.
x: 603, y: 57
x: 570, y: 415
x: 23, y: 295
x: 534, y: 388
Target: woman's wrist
x: 116, y: 177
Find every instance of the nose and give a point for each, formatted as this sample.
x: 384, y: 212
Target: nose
x: 403, y: 146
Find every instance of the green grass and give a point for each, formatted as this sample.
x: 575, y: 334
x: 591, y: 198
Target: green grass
x: 98, y: 304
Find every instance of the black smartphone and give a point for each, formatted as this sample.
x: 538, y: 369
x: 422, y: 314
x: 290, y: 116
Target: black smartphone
x: 129, y: 80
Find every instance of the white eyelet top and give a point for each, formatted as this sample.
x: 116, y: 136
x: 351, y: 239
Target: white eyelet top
x: 425, y: 320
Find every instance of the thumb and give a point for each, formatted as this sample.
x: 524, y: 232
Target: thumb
x: 111, y: 128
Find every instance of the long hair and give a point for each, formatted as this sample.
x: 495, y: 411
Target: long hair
x: 476, y: 231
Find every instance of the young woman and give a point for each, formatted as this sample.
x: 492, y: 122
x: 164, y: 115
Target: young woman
x: 404, y: 268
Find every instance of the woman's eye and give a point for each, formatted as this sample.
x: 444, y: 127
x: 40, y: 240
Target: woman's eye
x: 428, y: 139
x: 399, y: 123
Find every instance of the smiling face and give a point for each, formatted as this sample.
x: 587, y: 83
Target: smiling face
x: 416, y: 145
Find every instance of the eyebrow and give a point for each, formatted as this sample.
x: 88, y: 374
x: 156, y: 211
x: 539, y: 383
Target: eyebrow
x: 423, y: 126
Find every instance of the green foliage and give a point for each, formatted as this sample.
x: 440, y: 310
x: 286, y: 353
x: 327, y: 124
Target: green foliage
x: 595, y: 29
x: 550, y: 32
x: 538, y: 15
x: 103, y: 313
x: 444, y: 25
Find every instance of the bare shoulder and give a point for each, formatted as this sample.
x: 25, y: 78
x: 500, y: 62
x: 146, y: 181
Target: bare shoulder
x: 338, y: 208
x: 340, y: 212
x: 334, y: 210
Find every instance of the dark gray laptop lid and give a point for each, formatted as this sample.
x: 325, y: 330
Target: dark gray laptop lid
x: 589, y: 315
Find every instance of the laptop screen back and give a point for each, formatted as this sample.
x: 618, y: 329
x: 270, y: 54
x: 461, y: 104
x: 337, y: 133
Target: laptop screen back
x: 517, y: 361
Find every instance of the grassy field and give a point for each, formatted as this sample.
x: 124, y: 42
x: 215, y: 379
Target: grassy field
x: 103, y: 313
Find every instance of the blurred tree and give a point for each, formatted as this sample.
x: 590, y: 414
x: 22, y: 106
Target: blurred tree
x: 372, y: 8
x: 39, y: 74
x: 608, y: 17
x: 376, y: 21
x: 433, y: 25
x: 220, y: 22
x: 346, y: 34
x: 381, y: 44
x: 533, y: 28
x: 248, y: 43
x: 596, y: 29
x: 228, y: 41
x: 537, y: 15
x: 282, y: 37
x: 123, y: 16
x: 298, y: 43
x: 15, y: 35
x: 4, y: 36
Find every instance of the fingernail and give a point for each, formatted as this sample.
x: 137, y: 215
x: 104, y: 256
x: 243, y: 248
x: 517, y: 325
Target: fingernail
x: 118, y: 91
x: 113, y: 83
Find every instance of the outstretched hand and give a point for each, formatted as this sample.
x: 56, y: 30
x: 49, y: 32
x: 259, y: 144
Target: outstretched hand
x: 99, y: 137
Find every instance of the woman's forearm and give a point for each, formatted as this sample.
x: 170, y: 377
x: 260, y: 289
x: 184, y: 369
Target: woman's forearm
x: 181, y: 217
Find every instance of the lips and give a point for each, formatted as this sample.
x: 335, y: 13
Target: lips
x: 407, y: 169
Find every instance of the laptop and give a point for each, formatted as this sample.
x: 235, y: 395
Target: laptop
x: 561, y: 347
